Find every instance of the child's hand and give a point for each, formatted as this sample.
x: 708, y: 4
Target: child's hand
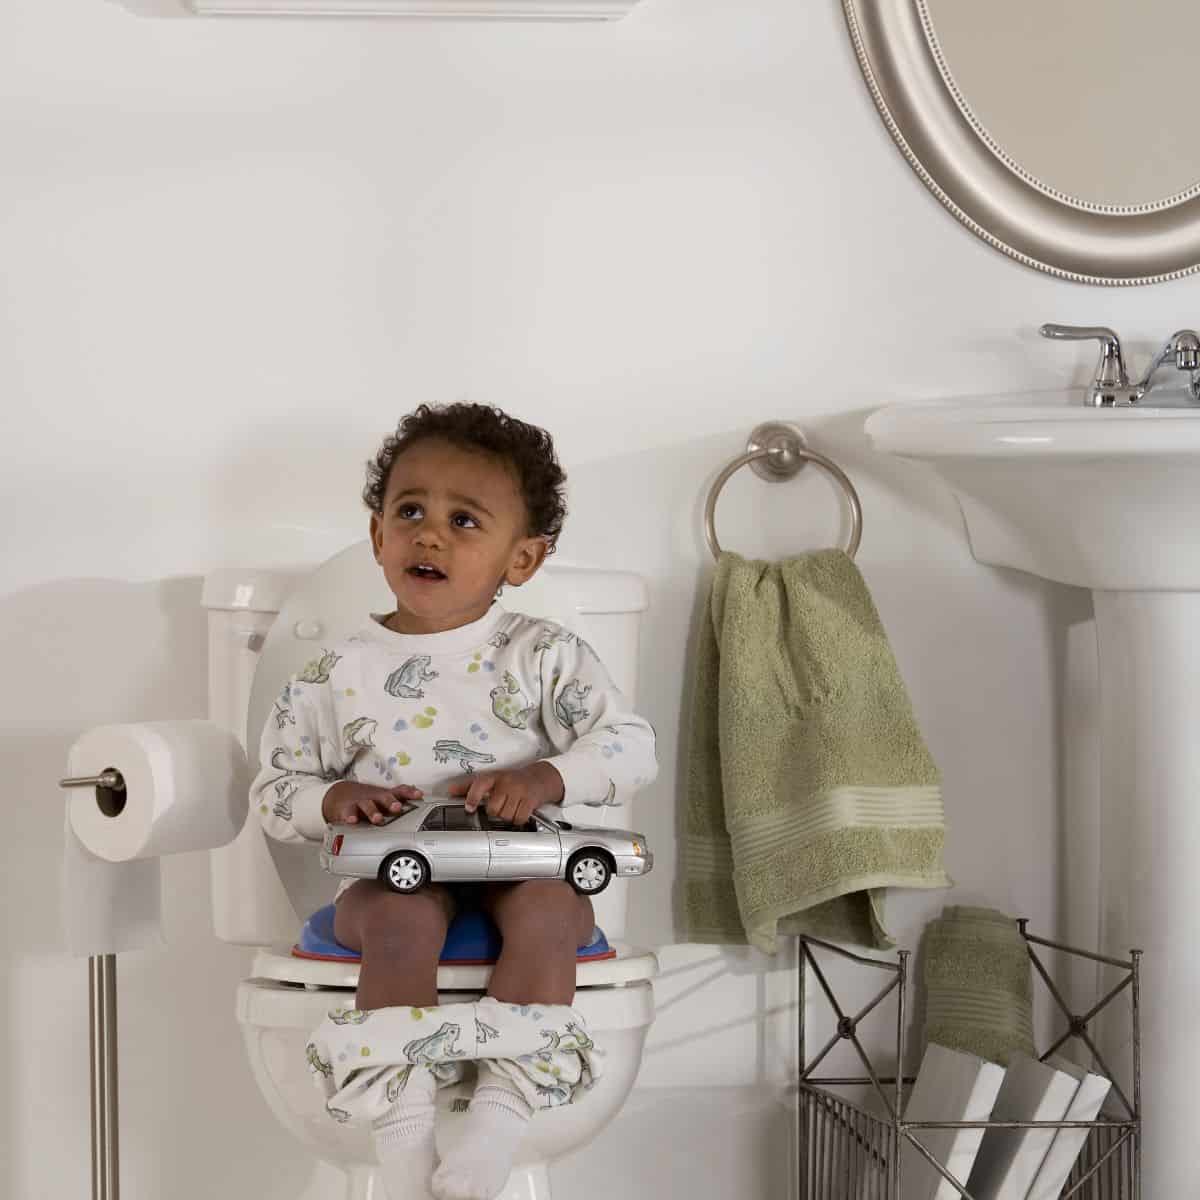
x: 510, y: 795
x: 347, y: 800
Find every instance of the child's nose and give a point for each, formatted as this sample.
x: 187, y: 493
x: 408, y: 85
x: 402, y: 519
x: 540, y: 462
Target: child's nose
x: 429, y: 533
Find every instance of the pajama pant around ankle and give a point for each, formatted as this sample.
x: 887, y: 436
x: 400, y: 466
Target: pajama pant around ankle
x: 360, y: 1059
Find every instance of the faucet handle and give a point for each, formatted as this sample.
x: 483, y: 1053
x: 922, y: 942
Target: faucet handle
x: 1187, y: 350
x: 1183, y: 348
x: 1111, y: 384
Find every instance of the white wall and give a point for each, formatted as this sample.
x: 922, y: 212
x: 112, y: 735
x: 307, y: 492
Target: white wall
x: 234, y: 252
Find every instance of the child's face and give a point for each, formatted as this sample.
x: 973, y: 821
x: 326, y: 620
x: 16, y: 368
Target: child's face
x: 459, y: 512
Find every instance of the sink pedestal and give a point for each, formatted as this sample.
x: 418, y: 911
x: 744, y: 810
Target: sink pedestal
x: 1149, y: 647
x: 1107, y: 499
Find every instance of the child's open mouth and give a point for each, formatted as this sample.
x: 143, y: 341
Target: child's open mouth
x: 426, y: 572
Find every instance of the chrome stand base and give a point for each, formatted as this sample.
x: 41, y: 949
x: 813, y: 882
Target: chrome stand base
x: 102, y: 1010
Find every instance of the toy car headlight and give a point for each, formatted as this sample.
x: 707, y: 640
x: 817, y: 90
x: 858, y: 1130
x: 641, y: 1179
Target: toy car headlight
x: 638, y: 848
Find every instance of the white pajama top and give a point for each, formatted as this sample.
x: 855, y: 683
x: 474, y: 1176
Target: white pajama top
x: 391, y: 708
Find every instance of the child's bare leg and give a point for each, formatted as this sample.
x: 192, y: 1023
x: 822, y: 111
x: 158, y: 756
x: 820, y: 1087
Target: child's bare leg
x: 400, y: 939
x: 543, y: 922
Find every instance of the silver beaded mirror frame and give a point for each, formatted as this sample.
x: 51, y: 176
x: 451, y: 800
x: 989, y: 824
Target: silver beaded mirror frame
x: 986, y: 189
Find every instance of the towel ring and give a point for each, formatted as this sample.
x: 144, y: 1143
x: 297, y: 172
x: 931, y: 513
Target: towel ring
x: 776, y: 451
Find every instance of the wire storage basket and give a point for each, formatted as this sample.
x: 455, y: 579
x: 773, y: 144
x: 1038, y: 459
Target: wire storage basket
x: 848, y: 1152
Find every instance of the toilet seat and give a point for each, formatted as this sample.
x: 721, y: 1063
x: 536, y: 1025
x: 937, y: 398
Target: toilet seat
x: 472, y: 937
x: 631, y: 965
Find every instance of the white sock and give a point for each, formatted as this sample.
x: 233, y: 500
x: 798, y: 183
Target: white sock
x: 403, y: 1139
x: 479, y: 1168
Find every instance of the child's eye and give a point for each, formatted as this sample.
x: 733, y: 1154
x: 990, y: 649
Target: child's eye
x: 465, y: 521
x: 407, y: 511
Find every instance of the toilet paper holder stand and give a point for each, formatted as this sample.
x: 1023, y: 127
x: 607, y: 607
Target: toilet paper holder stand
x: 102, y: 1024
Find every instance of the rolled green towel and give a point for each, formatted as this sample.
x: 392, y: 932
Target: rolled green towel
x: 810, y: 790
x: 978, y: 985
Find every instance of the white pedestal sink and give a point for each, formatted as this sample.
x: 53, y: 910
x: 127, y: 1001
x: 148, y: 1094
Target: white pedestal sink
x: 1109, y: 499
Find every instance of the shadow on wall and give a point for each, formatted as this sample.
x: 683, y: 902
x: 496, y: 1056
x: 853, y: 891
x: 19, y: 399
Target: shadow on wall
x: 700, y: 613
x: 712, y: 1143
x: 80, y: 653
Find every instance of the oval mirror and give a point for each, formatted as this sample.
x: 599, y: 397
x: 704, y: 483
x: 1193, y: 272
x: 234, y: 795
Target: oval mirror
x: 1059, y: 133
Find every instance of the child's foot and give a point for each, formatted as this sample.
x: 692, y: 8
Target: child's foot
x: 403, y: 1139
x: 480, y: 1166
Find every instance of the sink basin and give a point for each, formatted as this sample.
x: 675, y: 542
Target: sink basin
x: 1109, y: 499
x: 1097, y: 497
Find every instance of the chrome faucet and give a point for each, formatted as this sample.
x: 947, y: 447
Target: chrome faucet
x: 1111, y: 387
x: 1184, y: 348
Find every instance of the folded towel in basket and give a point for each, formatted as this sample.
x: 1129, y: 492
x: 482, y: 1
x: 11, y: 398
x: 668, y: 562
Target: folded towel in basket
x: 978, y: 987
x: 810, y: 788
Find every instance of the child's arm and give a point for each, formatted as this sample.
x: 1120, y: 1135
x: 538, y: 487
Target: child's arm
x: 302, y: 783
x: 299, y: 763
x: 605, y: 750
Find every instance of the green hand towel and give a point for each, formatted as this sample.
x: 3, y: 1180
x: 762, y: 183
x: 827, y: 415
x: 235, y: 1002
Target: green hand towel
x: 978, y: 987
x: 810, y: 789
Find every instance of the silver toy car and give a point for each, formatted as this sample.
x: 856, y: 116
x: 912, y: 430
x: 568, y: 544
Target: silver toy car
x: 437, y: 839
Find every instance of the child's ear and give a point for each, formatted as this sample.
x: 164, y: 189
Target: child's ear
x: 528, y: 556
x: 376, y: 537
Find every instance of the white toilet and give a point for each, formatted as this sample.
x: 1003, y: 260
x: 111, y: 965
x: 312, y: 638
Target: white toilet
x: 263, y: 626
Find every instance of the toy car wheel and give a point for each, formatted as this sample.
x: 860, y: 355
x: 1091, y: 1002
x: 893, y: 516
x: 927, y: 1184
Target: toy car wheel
x: 589, y: 872
x: 404, y: 872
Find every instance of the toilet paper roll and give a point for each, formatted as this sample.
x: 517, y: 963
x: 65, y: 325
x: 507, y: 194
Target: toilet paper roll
x: 186, y: 788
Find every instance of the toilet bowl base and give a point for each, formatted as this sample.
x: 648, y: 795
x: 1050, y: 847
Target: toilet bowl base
x: 277, y: 1017
x: 529, y: 1182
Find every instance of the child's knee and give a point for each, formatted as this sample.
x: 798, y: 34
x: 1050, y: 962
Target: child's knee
x: 415, y: 923
x: 548, y: 910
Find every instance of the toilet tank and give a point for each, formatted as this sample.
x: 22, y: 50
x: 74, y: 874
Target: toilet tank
x: 264, y: 626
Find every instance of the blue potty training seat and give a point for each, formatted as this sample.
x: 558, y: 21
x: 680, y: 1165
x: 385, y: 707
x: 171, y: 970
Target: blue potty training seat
x: 471, y: 939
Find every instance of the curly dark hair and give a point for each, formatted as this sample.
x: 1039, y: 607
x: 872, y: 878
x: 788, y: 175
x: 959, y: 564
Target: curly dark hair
x: 527, y: 450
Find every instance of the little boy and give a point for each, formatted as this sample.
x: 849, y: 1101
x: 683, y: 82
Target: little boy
x: 464, y: 499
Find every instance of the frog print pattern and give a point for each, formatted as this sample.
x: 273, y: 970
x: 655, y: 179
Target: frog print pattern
x: 285, y: 789
x: 447, y: 748
x: 316, y: 1064
x: 557, y: 633
x: 510, y: 703
x: 287, y: 783
x: 395, y: 1085
x: 499, y: 640
x: 283, y: 708
x: 551, y: 634
x: 405, y: 682
x: 319, y: 669
x: 349, y: 1016
x: 572, y: 1038
x: 569, y: 705
x: 437, y: 1047
x: 550, y: 1092
x: 544, y: 1069
x: 359, y: 735
x: 545, y: 1051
